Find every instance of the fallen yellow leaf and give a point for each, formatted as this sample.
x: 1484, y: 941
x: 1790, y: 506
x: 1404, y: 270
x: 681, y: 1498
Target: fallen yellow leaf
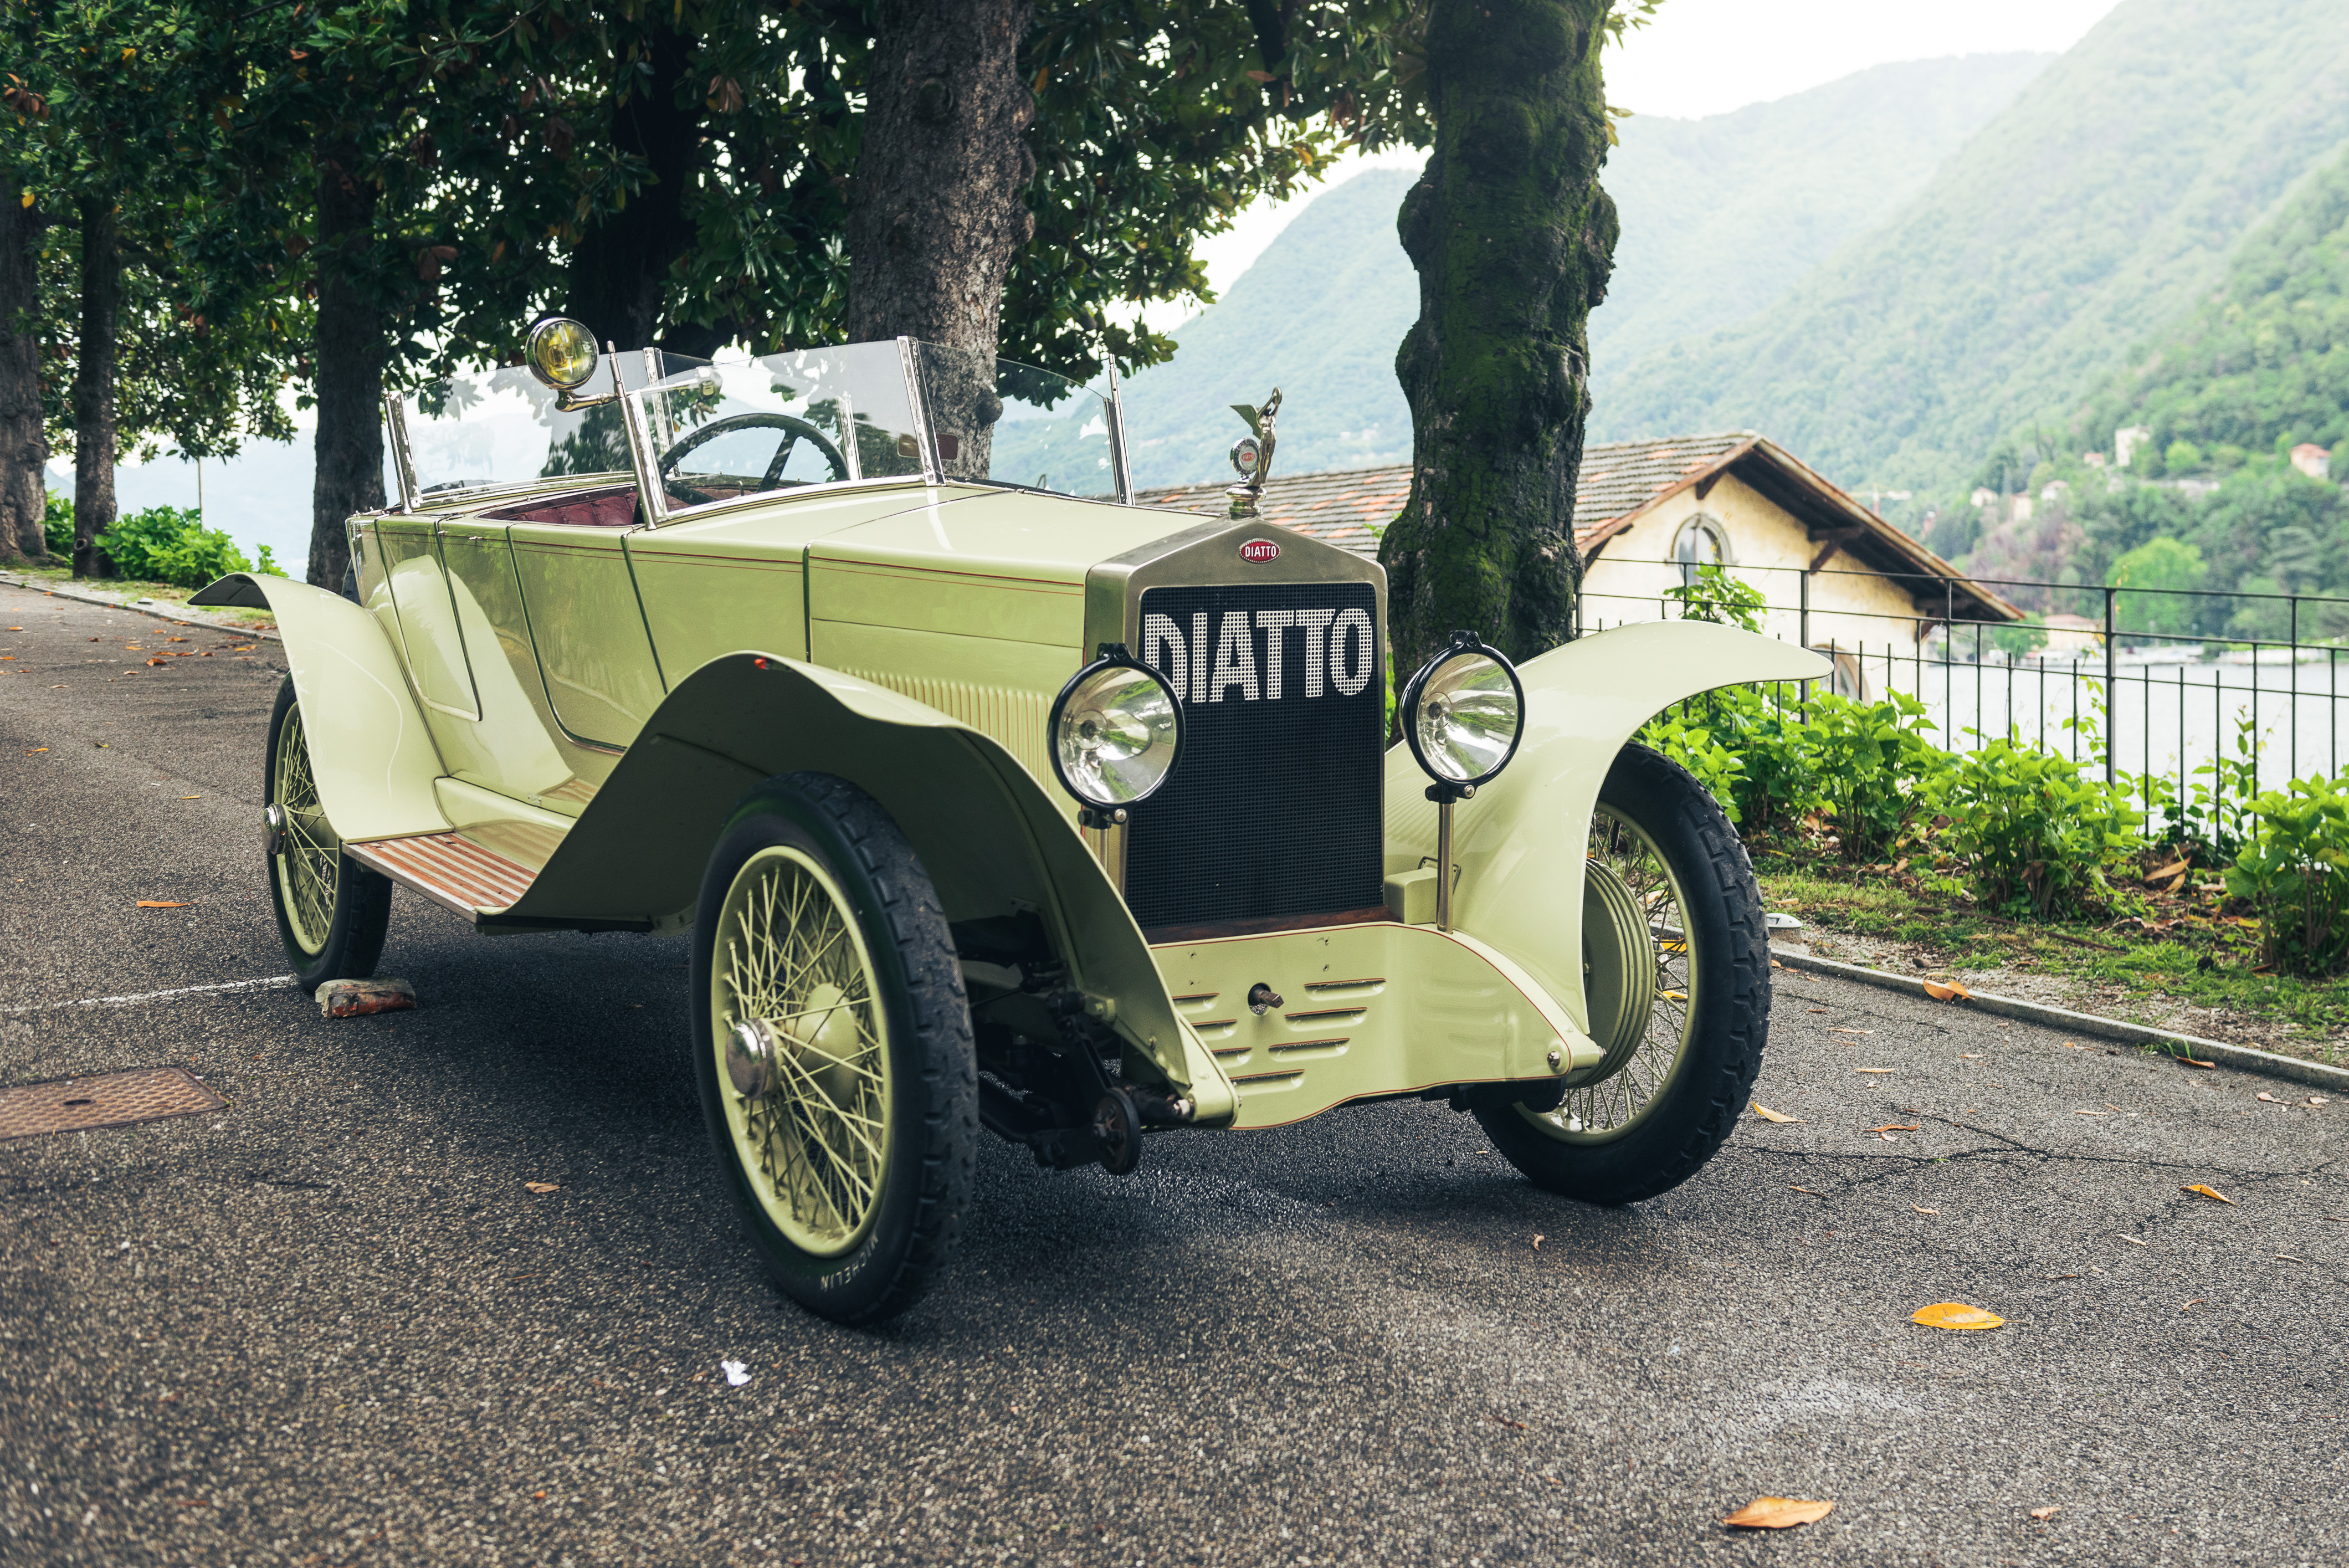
x: 1537, y: 1241
x: 1951, y: 993
x: 1767, y: 1115
x: 160, y: 904
x: 1896, y: 1127
x: 2210, y: 1192
x: 2047, y: 1513
x: 1778, y: 1513
x: 1955, y: 1314
x: 1871, y: 1069
x: 36, y: 750
x: 1925, y: 1210
x: 543, y: 1186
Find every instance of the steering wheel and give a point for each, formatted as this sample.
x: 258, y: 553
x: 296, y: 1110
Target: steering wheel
x: 794, y: 430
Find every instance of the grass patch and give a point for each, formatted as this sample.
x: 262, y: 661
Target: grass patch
x: 2192, y: 946
x: 166, y: 596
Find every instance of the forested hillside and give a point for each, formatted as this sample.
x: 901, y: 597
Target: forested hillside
x: 1723, y: 215
x: 1720, y: 216
x: 2264, y: 364
x: 2105, y: 201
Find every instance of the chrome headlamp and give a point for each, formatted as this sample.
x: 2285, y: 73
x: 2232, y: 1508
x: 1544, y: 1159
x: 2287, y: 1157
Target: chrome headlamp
x: 1462, y: 715
x: 1115, y: 733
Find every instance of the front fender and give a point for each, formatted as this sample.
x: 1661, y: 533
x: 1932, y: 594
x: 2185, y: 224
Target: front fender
x: 993, y: 842
x: 371, y: 755
x: 1521, y: 843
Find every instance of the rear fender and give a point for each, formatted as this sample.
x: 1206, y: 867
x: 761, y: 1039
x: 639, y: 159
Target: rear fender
x: 370, y: 753
x: 993, y: 842
x: 1522, y: 843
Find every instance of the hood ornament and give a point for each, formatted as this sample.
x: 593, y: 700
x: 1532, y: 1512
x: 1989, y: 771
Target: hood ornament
x: 1252, y: 456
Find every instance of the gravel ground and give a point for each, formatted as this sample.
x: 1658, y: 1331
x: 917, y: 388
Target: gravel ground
x: 2158, y: 1010
x: 330, y: 1325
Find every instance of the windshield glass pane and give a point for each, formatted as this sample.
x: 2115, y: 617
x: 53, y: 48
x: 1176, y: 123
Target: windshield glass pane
x: 744, y: 427
x: 1013, y: 423
x: 494, y: 429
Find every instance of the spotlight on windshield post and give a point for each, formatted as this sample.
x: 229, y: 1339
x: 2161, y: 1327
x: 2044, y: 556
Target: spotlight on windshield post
x: 1462, y: 715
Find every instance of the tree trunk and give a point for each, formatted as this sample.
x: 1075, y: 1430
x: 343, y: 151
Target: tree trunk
x: 23, y: 444
x: 348, y: 357
x: 620, y: 272
x: 1513, y: 239
x: 93, y: 390
x: 933, y: 214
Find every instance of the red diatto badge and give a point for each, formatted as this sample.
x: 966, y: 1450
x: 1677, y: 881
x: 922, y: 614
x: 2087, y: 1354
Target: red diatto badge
x: 1257, y: 552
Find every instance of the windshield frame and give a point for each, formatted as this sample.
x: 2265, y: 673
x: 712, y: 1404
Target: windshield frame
x: 646, y: 375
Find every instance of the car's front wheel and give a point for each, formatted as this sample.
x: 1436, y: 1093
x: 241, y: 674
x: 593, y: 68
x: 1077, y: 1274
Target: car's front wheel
x: 1677, y: 971
x: 832, y: 1054
x: 332, y: 913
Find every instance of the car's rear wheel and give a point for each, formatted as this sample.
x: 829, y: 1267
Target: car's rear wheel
x: 1677, y: 968
x: 834, y: 1057
x: 332, y: 913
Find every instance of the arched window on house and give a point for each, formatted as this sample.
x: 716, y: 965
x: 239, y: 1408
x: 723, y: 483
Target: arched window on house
x: 1701, y: 541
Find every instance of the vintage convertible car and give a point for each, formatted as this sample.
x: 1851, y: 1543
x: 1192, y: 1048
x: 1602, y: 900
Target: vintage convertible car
x: 993, y: 799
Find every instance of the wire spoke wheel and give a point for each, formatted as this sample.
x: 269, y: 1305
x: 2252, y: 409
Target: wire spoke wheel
x: 1609, y: 1106
x: 814, y: 1141
x: 1677, y: 989
x: 310, y: 857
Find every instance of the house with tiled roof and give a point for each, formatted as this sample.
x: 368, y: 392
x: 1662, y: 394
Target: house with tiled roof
x: 1648, y: 513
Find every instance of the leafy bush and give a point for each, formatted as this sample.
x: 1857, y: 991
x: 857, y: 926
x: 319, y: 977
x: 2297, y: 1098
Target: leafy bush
x: 2295, y: 874
x: 1694, y: 745
x: 2029, y: 824
x: 1872, y: 768
x: 171, y: 544
x: 1713, y: 595
x: 57, y: 525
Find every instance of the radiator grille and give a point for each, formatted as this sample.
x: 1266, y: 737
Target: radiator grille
x: 1274, y: 808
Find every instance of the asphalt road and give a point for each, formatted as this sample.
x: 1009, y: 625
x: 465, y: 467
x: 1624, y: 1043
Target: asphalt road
x: 330, y: 1325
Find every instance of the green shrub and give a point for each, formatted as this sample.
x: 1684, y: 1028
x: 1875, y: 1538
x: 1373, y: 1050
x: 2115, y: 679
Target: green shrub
x: 57, y: 525
x: 1691, y: 744
x: 1872, y: 767
x: 171, y: 544
x: 2027, y: 823
x: 2294, y: 871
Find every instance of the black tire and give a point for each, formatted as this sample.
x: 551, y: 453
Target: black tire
x: 930, y: 1124
x: 1693, y: 1112
x: 358, y: 899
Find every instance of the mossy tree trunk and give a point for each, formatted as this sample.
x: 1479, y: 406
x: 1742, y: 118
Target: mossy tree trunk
x: 24, y: 442
x: 349, y: 348
x: 94, y: 406
x: 935, y: 213
x: 1513, y: 240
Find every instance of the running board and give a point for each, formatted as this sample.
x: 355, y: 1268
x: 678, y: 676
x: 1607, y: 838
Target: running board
x: 449, y: 870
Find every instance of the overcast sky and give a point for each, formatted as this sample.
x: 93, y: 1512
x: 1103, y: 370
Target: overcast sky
x: 1702, y: 57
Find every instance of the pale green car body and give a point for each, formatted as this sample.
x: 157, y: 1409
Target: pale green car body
x: 571, y: 712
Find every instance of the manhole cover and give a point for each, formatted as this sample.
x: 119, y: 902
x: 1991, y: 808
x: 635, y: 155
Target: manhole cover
x: 111, y: 1100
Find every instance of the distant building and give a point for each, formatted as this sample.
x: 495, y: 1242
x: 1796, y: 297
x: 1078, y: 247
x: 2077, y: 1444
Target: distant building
x: 2313, y: 460
x: 2126, y: 440
x: 1984, y: 495
x: 2055, y: 490
x: 2092, y: 459
x: 1647, y: 513
x: 2018, y: 509
x: 2072, y: 634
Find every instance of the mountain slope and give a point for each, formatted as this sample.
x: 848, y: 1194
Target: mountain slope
x: 1722, y: 215
x: 1319, y: 315
x: 2267, y: 359
x: 2106, y: 197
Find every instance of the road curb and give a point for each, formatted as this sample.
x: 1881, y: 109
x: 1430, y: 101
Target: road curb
x: 107, y: 601
x: 2243, y: 1058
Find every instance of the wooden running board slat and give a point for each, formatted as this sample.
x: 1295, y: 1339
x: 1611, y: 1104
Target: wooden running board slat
x: 448, y: 870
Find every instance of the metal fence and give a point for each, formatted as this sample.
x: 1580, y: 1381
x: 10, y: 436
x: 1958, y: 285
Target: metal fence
x: 2172, y: 684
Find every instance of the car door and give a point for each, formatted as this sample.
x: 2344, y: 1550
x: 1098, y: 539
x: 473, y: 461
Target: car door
x: 413, y: 568
x: 588, y: 629
x: 516, y: 749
